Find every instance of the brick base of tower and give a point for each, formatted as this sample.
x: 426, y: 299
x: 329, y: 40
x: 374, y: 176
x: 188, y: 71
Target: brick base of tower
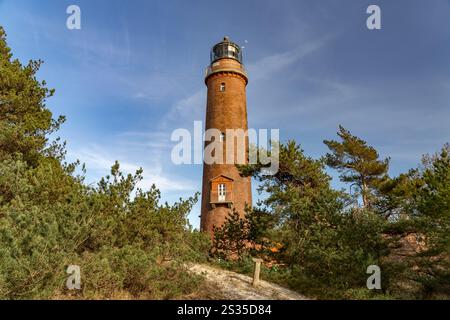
x: 216, y: 214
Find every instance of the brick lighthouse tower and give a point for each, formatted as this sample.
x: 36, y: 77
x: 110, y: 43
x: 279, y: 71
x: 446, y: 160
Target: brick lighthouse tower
x: 223, y: 187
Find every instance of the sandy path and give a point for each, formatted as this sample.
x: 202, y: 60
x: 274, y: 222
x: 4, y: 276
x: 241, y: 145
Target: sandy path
x: 235, y: 286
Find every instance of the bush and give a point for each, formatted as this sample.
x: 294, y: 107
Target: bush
x: 126, y: 243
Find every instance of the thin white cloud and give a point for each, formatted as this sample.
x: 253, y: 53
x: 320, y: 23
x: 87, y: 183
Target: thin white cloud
x: 95, y: 159
x: 99, y: 160
x: 187, y: 110
x: 266, y: 66
x: 192, y: 107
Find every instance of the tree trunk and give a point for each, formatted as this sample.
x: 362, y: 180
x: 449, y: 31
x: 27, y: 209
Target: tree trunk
x: 364, y: 194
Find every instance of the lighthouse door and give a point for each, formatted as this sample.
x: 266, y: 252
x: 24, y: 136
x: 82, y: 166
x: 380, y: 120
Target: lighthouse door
x: 222, y: 192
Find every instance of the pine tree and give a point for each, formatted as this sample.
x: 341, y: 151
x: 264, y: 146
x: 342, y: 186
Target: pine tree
x: 230, y: 239
x: 49, y: 218
x: 358, y: 163
x: 322, y: 243
x: 433, y: 221
x: 25, y: 120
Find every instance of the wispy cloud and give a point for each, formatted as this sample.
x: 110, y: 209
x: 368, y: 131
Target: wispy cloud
x: 192, y: 106
x: 99, y: 160
x: 187, y: 110
x: 96, y: 159
x: 268, y: 65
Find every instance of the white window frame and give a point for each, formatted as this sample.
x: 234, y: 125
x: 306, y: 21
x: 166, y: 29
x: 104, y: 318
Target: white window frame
x: 221, y: 192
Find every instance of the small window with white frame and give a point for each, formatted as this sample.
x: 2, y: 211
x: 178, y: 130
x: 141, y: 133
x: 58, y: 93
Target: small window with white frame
x: 222, y: 87
x: 222, y: 192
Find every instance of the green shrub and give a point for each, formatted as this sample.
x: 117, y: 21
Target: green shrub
x: 127, y: 244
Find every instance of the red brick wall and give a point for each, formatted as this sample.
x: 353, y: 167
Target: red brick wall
x: 225, y: 110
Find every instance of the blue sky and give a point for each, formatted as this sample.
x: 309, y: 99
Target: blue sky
x: 134, y: 73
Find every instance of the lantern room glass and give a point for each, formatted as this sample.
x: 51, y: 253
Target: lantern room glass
x: 226, y: 49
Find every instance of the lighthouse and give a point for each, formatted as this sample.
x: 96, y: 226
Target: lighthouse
x: 224, y: 189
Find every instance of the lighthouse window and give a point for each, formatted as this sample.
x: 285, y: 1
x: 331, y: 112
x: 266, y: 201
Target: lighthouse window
x: 232, y: 52
x: 222, y: 137
x: 222, y: 87
x: 222, y: 192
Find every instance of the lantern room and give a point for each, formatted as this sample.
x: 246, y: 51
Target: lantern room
x: 226, y: 49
